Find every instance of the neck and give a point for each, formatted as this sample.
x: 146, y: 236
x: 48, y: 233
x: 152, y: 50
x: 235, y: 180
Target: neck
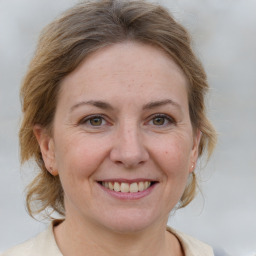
x: 78, y: 238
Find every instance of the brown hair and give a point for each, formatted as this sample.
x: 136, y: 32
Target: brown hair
x: 62, y: 46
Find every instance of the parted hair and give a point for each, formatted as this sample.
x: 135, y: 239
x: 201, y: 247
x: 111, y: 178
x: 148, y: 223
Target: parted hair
x: 66, y: 42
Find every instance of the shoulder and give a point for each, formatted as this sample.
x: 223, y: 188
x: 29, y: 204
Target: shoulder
x: 43, y: 244
x: 192, y: 246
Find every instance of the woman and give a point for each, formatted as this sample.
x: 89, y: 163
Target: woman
x: 114, y: 116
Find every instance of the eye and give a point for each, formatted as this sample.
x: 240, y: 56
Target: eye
x: 96, y: 121
x: 93, y: 121
x: 161, y: 120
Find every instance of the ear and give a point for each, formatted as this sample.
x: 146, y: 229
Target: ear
x: 194, y: 152
x: 46, y: 144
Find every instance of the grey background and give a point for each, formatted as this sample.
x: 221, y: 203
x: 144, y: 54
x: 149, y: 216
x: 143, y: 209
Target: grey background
x: 224, y: 34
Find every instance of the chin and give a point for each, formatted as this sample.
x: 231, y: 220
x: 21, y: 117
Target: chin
x: 130, y: 221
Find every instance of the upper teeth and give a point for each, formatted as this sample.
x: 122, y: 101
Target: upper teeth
x: 126, y: 187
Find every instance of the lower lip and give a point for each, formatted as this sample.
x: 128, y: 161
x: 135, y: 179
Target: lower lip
x: 129, y: 196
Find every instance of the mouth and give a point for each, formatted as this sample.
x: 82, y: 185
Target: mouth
x: 127, y: 187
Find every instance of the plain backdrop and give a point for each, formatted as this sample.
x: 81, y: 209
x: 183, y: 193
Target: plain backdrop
x: 224, y: 37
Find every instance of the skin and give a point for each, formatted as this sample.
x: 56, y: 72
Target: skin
x: 125, y: 86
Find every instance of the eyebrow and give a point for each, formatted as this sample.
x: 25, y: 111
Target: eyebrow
x: 107, y: 106
x: 160, y: 103
x: 98, y: 104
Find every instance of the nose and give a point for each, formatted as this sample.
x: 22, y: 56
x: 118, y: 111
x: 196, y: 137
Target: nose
x: 129, y: 149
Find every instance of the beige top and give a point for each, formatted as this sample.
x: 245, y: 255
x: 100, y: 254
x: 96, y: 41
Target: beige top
x: 44, y: 244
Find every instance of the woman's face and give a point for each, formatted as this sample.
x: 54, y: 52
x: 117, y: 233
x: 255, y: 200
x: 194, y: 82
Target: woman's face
x: 122, y: 123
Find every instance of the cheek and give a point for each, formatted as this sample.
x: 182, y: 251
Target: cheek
x: 174, y: 157
x: 79, y: 157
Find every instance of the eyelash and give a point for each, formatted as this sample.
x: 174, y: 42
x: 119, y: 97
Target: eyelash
x: 86, y: 120
x: 167, y: 120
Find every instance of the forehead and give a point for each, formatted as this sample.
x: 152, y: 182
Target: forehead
x: 128, y: 67
x: 130, y: 55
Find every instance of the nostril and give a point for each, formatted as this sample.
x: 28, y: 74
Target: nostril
x: 129, y: 153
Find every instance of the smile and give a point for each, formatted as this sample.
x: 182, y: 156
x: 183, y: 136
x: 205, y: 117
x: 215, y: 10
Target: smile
x: 125, y: 187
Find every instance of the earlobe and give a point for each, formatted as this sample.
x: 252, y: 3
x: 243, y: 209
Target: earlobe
x: 195, y: 149
x: 46, y: 145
